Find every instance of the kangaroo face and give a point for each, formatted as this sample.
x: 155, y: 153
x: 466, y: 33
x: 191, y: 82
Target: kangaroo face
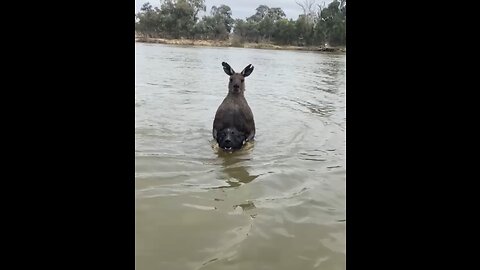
x: 236, y: 84
x: 237, y: 80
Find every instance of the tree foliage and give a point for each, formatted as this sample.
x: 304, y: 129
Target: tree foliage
x: 180, y: 19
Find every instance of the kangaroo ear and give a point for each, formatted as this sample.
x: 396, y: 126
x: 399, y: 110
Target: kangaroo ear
x: 229, y: 70
x: 247, y: 70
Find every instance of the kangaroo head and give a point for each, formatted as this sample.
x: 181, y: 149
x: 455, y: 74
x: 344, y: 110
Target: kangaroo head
x: 237, y: 80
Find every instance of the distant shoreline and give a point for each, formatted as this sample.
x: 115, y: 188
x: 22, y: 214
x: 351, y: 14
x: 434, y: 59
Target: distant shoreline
x: 229, y: 43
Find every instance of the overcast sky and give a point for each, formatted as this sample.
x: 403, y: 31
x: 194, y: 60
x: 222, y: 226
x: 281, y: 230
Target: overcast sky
x: 242, y: 9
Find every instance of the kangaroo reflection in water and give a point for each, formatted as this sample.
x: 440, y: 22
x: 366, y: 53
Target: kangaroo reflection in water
x: 235, y: 173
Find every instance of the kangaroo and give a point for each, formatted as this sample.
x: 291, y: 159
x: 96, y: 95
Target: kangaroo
x: 234, y: 124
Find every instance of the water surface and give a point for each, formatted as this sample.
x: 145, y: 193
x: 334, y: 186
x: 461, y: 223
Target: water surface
x: 277, y: 204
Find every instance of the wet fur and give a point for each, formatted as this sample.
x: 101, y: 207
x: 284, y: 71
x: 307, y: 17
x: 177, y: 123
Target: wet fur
x: 231, y: 138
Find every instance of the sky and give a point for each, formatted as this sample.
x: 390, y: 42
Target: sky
x: 242, y: 9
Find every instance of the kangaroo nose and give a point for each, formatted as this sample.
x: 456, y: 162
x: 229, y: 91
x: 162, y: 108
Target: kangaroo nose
x: 236, y: 86
x: 228, y: 143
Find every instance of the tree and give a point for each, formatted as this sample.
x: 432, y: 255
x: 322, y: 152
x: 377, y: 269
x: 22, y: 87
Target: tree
x: 285, y: 32
x: 333, y: 22
x: 147, y: 20
x: 197, y: 5
x: 223, y: 14
x: 262, y: 11
x: 308, y: 9
x: 179, y: 19
x: 276, y: 14
x: 261, y: 25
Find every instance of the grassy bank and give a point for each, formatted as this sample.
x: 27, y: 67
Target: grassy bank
x: 229, y: 43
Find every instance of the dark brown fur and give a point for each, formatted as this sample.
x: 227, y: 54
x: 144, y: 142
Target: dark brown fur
x: 234, y: 111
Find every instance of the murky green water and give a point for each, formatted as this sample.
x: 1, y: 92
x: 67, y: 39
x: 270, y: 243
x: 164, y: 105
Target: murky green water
x: 279, y: 203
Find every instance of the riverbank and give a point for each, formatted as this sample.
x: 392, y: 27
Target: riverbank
x: 229, y: 43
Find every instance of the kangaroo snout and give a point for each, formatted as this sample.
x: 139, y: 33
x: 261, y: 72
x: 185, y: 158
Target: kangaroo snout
x: 236, y: 88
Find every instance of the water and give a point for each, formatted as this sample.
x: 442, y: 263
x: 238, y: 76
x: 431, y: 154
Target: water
x: 277, y: 204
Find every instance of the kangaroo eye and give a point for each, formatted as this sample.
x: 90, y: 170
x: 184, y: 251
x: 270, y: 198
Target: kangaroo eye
x: 231, y: 80
x: 232, y: 132
x: 243, y: 80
